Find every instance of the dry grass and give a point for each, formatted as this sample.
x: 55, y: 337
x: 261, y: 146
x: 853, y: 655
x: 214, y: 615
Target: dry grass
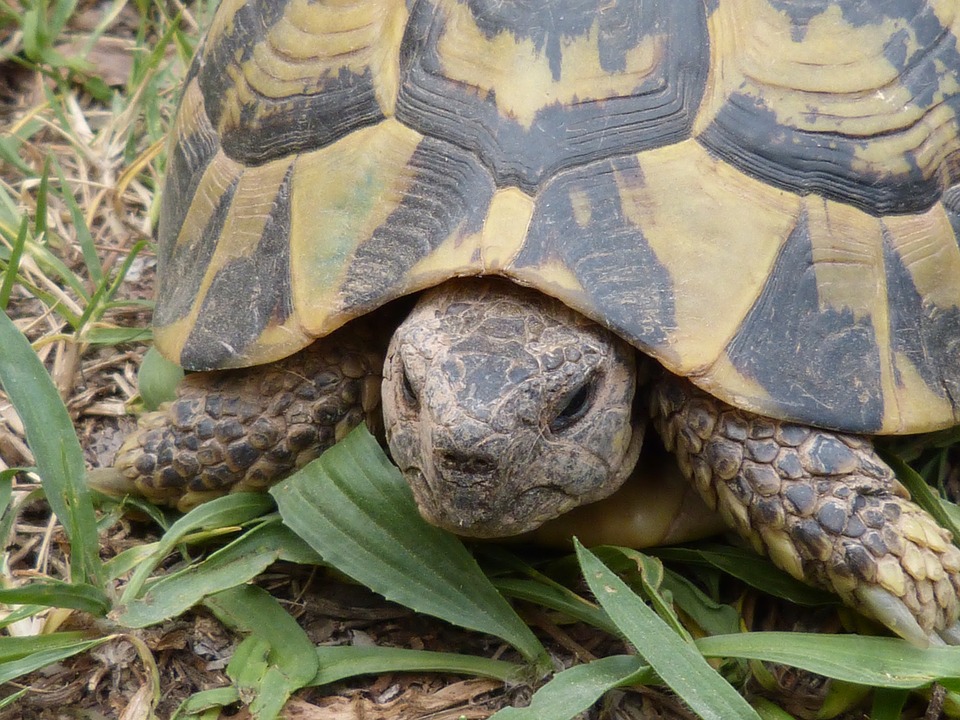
x: 81, y: 158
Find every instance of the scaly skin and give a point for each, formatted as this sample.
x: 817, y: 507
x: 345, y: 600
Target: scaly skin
x: 822, y: 505
x: 237, y: 430
x: 504, y: 408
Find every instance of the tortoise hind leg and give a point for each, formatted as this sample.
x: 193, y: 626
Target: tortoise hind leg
x: 246, y: 429
x: 822, y: 505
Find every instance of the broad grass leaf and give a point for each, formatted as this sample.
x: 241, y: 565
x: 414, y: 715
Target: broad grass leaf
x: 231, y: 510
x: 677, y: 662
x: 55, y: 593
x: 574, y: 690
x: 353, y: 507
x: 338, y: 662
x: 745, y: 565
x: 878, y: 661
x: 235, y: 564
x: 55, y: 447
x: 277, y: 659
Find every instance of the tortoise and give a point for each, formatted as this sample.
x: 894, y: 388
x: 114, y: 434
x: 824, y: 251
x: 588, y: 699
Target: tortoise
x: 735, y: 221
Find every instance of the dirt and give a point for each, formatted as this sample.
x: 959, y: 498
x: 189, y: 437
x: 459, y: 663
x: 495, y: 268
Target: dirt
x: 191, y: 652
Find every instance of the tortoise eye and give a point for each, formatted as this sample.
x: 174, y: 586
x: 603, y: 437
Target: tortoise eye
x: 409, y: 394
x: 574, y: 407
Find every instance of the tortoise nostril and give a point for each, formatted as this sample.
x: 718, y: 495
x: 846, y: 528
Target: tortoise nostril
x: 465, y: 462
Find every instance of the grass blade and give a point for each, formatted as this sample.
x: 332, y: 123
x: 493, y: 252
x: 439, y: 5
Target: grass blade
x: 207, y: 700
x: 106, y: 289
x: 235, y: 564
x: 677, y: 663
x: 888, y: 704
x: 51, y: 437
x: 354, y: 508
x: 90, y: 257
x: 34, y: 661
x: 745, y: 565
x: 53, y: 593
x: 712, y: 617
x: 879, y: 661
x: 556, y: 598
x: 43, y: 191
x: 235, y: 509
x: 13, y: 265
x: 15, y: 648
x: 277, y: 658
x: 11, y: 699
x: 344, y: 661
x: 576, y: 689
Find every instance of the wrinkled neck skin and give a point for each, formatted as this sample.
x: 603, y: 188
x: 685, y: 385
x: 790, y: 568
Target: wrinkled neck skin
x: 504, y: 408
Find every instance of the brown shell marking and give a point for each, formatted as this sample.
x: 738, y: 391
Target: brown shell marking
x: 754, y: 195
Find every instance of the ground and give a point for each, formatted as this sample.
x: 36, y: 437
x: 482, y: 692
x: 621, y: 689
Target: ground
x: 100, y: 126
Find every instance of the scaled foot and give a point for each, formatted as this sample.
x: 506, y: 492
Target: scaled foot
x: 822, y: 505
x: 246, y: 429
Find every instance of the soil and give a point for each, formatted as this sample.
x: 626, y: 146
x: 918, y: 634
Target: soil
x: 191, y: 652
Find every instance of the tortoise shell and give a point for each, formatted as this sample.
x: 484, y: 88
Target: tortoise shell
x: 761, y: 194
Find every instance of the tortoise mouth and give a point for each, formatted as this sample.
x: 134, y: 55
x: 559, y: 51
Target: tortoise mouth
x: 466, y: 506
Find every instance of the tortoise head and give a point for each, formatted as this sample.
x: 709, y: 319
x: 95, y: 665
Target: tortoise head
x: 504, y: 408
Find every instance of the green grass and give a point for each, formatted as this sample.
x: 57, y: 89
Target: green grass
x: 78, y: 203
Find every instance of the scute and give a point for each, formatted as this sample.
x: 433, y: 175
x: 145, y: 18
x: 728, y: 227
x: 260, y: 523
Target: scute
x: 533, y: 89
x: 856, y: 100
x: 764, y: 195
x: 188, y: 161
x: 843, y: 388
x: 333, y: 67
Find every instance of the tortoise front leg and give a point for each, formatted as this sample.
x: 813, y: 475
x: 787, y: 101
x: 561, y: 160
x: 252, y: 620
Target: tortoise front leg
x: 822, y: 505
x: 246, y: 429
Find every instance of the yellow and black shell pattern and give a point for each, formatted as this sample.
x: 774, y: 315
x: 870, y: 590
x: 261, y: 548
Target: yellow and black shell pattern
x: 764, y: 195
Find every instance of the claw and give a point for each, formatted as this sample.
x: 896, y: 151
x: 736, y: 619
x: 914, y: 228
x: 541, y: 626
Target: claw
x: 951, y: 635
x: 110, y: 481
x: 882, y: 605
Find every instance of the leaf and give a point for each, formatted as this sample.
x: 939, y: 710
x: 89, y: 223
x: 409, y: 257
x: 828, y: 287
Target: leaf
x: 51, y: 437
x: 712, y: 617
x: 556, y: 598
x: 879, y: 661
x: 13, y: 265
x: 12, y: 669
x: 157, y: 379
x: 344, y: 661
x: 24, y: 611
x: 207, y: 700
x: 259, y: 682
x: 235, y: 509
x: 574, y: 690
x: 111, y: 336
x: 15, y: 648
x: 233, y: 565
x: 888, y: 704
x: 11, y: 699
x: 84, y: 238
x: 770, y: 711
x: 745, y: 565
x: 54, y: 593
x: 353, y: 507
x: 651, y: 576
x: 677, y: 663
x: 278, y: 657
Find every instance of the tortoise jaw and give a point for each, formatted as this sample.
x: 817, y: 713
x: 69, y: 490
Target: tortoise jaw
x: 466, y: 504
